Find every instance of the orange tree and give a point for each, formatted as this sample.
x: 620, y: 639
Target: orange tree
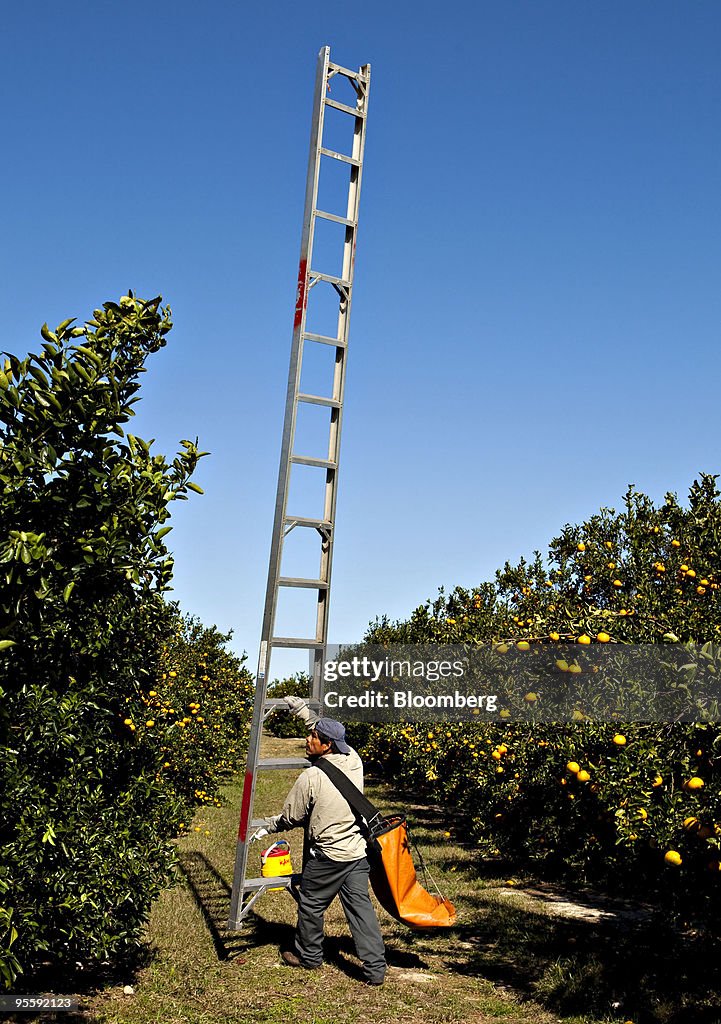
x: 87, y: 815
x: 622, y: 803
x: 196, y: 713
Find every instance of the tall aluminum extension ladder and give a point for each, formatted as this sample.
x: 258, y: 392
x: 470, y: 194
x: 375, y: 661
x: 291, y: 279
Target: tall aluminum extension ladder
x: 308, y: 277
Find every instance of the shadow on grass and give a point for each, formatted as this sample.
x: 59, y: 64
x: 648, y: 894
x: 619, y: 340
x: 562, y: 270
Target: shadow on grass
x: 211, y: 894
x: 612, y: 959
x: 67, y: 980
x: 639, y: 969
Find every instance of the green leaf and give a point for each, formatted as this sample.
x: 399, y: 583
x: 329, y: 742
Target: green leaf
x: 194, y: 487
x: 4, y: 644
x: 48, y: 334
x: 68, y: 591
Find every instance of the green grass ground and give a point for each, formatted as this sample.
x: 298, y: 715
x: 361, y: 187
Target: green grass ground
x: 509, y: 957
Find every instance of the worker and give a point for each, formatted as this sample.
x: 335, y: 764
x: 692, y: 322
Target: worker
x: 337, y: 864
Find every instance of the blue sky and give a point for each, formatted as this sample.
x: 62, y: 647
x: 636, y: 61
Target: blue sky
x: 537, y: 306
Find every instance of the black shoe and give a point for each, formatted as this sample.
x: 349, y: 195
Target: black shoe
x: 292, y: 960
x: 374, y: 981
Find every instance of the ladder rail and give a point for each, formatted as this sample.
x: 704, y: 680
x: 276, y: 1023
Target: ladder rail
x: 283, y: 524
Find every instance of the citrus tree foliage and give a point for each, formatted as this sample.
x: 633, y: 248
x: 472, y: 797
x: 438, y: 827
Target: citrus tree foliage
x: 85, y: 820
x: 197, y: 713
x: 635, y: 803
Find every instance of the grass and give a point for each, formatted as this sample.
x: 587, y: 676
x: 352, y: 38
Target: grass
x: 508, y: 959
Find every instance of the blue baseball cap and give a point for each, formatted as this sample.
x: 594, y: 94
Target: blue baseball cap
x: 329, y: 729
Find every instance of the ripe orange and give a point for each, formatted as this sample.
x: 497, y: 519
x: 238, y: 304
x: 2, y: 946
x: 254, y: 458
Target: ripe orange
x: 603, y: 638
x: 694, y: 783
x: 554, y: 636
x: 581, y: 546
x: 617, y: 583
x: 584, y: 639
x: 573, y: 766
x: 673, y: 857
x: 619, y: 740
x: 583, y: 776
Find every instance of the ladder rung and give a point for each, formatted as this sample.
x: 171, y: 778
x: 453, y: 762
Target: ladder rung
x: 325, y: 340
x: 300, y: 581
x: 280, y: 763
x: 271, y: 882
x: 306, y: 460
x: 305, y: 521
x: 344, y: 107
x: 294, y: 641
x: 332, y: 403
x: 316, y: 275
x: 282, y: 704
x: 340, y: 70
x: 335, y: 218
x: 340, y: 156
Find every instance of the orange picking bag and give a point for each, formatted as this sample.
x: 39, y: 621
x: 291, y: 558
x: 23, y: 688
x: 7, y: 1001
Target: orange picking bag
x: 392, y: 871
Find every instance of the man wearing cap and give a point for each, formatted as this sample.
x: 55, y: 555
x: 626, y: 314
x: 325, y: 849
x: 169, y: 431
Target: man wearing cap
x: 337, y: 864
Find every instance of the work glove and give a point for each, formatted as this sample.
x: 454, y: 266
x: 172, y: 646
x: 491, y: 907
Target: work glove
x: 260, y: 833
x: 301, y: 710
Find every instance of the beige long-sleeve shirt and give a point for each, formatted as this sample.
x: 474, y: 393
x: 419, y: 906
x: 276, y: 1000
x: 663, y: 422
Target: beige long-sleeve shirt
x: 316, y: 803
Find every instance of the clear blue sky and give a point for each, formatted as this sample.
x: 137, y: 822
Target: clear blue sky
x: 537, y: 305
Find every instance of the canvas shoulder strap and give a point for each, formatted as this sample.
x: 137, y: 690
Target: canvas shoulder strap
x: 358, y: 802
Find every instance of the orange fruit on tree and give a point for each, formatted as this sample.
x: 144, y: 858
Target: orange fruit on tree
x: 694, y: 783
x: 573, y: 766
x: 673, y: 857
x: 619, y: 740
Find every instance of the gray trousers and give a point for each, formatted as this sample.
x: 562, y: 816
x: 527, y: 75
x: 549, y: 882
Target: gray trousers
x: 323, y: 879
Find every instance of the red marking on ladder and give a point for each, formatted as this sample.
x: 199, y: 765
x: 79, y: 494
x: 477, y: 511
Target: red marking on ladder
x: 245, y: 807
x: 301, y: 296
